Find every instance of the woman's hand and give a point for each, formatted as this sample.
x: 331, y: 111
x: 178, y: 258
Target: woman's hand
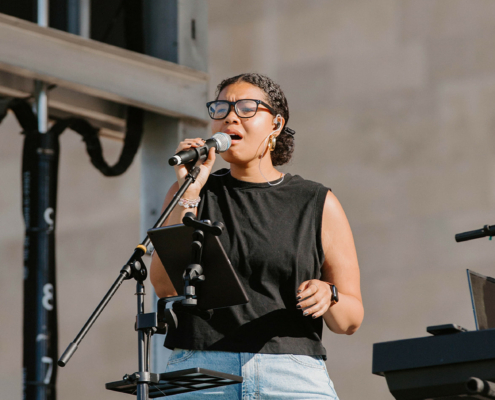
x: 315, y: 297
x: 205, y: 169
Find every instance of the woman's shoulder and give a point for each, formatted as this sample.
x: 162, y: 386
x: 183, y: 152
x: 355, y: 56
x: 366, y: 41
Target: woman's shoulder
x: 297, y: 180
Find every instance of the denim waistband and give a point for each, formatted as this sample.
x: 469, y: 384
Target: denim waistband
x: 265, y: 376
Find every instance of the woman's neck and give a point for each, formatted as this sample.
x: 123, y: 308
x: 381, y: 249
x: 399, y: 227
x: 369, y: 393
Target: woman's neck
x: 251, y: 172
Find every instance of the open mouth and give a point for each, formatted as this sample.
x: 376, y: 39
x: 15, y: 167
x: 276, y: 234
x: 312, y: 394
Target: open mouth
x: 234, y: 137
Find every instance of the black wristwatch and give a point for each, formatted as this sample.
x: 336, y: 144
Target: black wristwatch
x: 335, y: 294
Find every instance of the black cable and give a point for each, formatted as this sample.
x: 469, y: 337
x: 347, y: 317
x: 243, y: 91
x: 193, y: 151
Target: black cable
x: 134, y: 131
x: 22, y: 110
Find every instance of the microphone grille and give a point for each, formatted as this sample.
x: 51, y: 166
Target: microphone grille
x: 224, y: 141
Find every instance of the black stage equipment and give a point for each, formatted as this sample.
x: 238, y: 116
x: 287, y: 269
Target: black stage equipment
x: 487, y: 230
x: 440, y: 366
x: 451, y: 364
x: 143, y: 383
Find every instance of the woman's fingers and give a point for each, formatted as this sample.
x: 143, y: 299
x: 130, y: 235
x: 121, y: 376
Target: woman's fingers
x: 314, y: 298
x: 206, y: 168
x: 188, y: 143
x: 307, y: 289
x: 317, y: 310
x: 211, y: 158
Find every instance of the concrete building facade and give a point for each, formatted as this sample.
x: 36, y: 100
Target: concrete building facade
x: 392, y: 102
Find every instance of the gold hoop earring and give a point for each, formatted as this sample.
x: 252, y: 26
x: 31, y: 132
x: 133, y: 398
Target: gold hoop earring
x: 272, y: 143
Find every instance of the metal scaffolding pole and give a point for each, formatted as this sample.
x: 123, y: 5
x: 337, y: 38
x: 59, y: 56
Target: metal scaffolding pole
x: 39, y: 173
x: 85, y: 18
x: 41, y: 96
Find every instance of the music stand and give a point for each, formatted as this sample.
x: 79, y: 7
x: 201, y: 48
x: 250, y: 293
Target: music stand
x: 221, y: 287
x: 149, y: 323
x: 195, y: 243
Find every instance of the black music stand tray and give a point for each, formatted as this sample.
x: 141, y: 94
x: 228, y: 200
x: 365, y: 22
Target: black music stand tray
x: 178, y: 382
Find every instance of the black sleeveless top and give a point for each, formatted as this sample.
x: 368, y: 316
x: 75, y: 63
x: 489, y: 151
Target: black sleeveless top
x: 272, y: 237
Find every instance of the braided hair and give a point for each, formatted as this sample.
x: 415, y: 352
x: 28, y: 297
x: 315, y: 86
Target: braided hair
x: 276, y: 98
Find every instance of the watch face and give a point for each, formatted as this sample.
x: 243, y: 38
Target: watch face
x: 335, y: 294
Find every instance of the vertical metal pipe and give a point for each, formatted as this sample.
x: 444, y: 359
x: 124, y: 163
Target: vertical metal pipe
x: 41, y: 105
x: 41, y: 87
x: 140, y: 310
x: 79, y: 17
x: 142, y: 388
x: 43, y: 12
x: 85, y: 18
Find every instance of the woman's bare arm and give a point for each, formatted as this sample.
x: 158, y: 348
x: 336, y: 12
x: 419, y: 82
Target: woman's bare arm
x: 341, y: 269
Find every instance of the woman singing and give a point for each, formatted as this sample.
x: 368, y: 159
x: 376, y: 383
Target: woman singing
x: 290, y: 244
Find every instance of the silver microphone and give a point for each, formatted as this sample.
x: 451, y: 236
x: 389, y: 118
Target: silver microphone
x: 220, y: 141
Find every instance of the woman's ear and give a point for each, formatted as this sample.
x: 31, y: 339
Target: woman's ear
x: 278, y: 124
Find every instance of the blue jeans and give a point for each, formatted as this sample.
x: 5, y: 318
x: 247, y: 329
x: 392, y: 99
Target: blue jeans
x: 266, y: 376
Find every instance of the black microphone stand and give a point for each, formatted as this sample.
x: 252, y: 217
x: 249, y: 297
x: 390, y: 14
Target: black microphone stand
x: 135, y: 268
x: 487, y: 230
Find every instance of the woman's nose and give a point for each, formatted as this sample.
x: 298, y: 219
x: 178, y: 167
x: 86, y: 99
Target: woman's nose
x: 232, y: 117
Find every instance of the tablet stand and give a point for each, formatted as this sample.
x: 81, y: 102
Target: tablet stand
x: 193, y: 275
x: 148, y: 323
x: 222, y: 287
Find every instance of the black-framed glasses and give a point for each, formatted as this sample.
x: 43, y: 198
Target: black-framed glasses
x: 245, y: 108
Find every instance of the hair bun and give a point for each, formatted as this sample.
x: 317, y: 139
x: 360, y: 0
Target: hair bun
x: 289, y: 131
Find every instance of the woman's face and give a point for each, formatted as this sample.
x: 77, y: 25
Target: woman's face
x: 248, y: 134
